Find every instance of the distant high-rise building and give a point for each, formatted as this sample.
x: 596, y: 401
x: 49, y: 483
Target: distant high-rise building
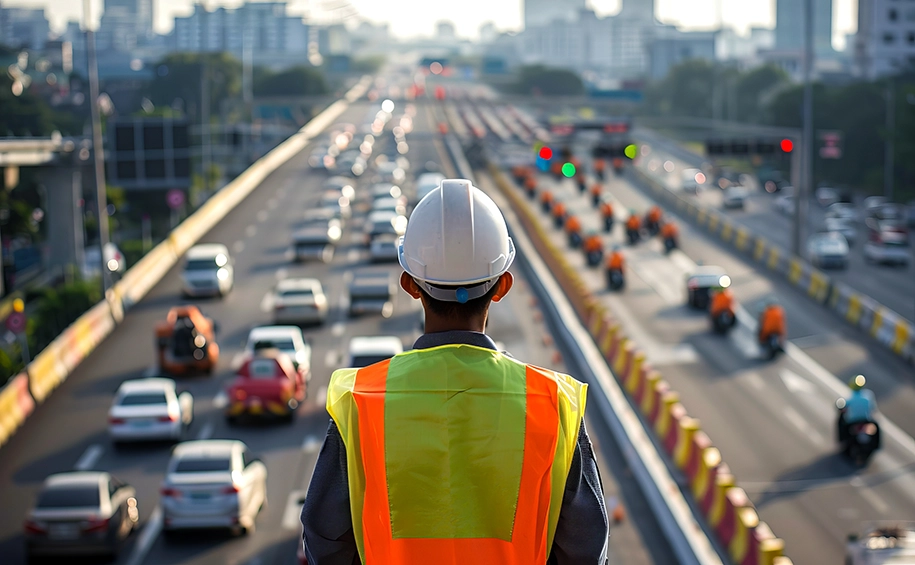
x: 885, y: 42
x: 488, y: 32
x: 23, y: 27
x: 538, y: 13
x: 638, y: 9
x: 789, y: 26
x: 445, y: 30
x: 125, y: 25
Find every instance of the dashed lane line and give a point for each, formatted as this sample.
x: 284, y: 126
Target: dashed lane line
x: 89, y: 457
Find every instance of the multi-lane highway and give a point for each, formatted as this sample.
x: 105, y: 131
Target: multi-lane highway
x: 773, y: 421
x: 892, y: 286
x: 69, y: 431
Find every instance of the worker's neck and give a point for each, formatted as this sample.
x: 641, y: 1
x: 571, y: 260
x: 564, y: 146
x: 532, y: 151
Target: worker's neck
x: 436, y: 324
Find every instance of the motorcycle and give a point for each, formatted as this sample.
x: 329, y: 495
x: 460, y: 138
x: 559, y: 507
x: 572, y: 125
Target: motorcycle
x: 559, y: 221
x: 723, y: 321
x: 575, y: 240
x: 633, y: 235
x: 546, y: 206
x: 772, y: 346
x: 857, y: 441
x: 608, y: 224
x: 669, y: 244
x: 615, y: 280
x: 595, y: 258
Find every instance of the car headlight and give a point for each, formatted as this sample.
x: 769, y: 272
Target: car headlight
x: 222, y: 274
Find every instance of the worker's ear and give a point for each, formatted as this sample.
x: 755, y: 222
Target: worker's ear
x: 503, y: 286
x: 409, y: 285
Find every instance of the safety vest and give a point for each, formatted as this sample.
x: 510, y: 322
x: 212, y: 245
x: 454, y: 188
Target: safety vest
x: 456, y: 454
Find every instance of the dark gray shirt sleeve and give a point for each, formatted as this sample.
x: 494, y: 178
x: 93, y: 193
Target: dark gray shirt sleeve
x: 581, y: 534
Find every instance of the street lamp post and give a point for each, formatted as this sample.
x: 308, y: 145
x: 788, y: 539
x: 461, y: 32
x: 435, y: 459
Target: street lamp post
x: 890, y: 146
x: 98, y: 149
x: 801, y: 195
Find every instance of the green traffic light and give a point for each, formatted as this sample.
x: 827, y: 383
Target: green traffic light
x: 631, y: 151
x: 568, y: 169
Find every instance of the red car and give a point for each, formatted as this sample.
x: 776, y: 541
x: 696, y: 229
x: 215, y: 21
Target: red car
x: 267, y: 384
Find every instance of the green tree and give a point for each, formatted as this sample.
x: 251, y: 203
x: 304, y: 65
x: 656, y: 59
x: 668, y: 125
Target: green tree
x: 687, y: 90
x: 755, y: 88
x: 23, y: 115
x: 540, y: 80
x: 179, y: 76
x: 297, y: 81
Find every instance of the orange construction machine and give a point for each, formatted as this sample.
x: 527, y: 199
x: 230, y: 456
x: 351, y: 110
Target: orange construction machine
x: 186, y: 342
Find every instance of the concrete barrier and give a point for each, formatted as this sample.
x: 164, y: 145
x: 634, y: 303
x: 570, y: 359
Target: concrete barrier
x: 15, y: 405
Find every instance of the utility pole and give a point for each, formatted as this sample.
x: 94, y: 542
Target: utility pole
x: 889, y: 165
x: 803, y: 191
x: 98, y: 149
x: 205, y: 122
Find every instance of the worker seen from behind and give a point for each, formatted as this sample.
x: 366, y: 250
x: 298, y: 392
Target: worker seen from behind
x: 596, y: 190
x: 593, y: 248
x: 546, y: 201
x: 454, y: 452
x: 653, y: 220
x: 559, y: 214
x: 530, y: 185
x: 606, y: 214
x: 633, y: 226
x: 581, y: 182
x: 600, y: 166
x: 721, y: 310
x: 670, y: 235
x: 573, y: 231
x: 772, y: 323
x: 615, y: 267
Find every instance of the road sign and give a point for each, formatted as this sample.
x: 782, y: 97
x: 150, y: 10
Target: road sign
x: 174, y: 198
x: 15, y: 322
x: 831, y: 145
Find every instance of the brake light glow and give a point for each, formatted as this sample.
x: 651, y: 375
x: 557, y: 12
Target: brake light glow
x: 170, y: 492
x: 169, y: 418
x: 95, y: 524
x: 240, y: 394
x: 33, y: 527
x: 231, y: 489
x: 116, y: 421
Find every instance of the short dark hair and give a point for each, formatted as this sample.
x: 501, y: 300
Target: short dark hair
x: 469, y: 309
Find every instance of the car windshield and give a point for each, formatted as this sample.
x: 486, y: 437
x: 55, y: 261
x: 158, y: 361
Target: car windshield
x: 366, y: 360
x: 143, y: 398
x: 69, y: 497
x: 201, y: 265
x: 281, y: 344
x: 203, y: 465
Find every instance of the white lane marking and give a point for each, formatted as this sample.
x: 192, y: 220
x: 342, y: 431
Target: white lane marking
x: 267, y: 302
x: 832, y: 382
x: 796, y: 383
x: 294, y: 510
x: 331, y: 357
x: 89, y: 457
x: 801, y: 424
x: 206, y: 431
x: 282, y: 273
x: 272, y: 204
x: 755, y: 381
x: 221, y: 400
x: 337, y: 329
x: 869, y: 495
x: 321, y: 397
x: 238, y: 247
x: 262, y: 216
x: 745, y: 342
x: 237, y: 360
x: 148, y: 536
x: 312, y: 444
x: 352, y: 255
x: 656, y: 279
x: 250, y: 231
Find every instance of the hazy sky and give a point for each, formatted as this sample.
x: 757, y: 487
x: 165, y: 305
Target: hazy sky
x: 418, y: 17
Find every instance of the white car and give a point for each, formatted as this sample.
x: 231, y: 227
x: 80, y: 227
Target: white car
x: 842, y: 210
x: 828, y: 250
x: 874, y: 203
x: 384, y: 222
x: 384, y: 247
x: 384, y: 190
x: 390, y: 171
x: 334, y: 200
x: 214, y: 483
x: 114, y: 260
x: 343, y: 185
x: 887, y: 542
x: 826, y: 196
x: 299, y: 301
x: 316, y: 242
x: 887, y: 242
x: 208, y: 270
x: 426, y: 183
x: 693, y: 179
x: 785, y: 204
x: 734, y: 197
x: 288, y: 339
x: 365, y: 351
x: 844, y: 226
x: 396, y: 205
x: 149, y: 409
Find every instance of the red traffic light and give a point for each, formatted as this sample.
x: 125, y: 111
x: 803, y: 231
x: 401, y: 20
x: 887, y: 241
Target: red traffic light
x: 787, y: 145
x: 546, y: 153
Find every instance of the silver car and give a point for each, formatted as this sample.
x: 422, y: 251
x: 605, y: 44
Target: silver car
x: 299, y: 301
x: 80, y: 513
x: 149, y: 409
x: 213, y: 484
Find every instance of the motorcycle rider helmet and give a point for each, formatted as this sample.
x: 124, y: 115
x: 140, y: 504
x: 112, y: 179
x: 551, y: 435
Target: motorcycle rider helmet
x: 857, y: 383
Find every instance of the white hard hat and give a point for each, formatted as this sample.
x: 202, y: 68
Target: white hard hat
x: 456, y: 237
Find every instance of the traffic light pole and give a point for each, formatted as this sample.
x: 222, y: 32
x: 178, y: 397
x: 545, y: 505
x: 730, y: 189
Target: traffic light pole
x: 805, y: 150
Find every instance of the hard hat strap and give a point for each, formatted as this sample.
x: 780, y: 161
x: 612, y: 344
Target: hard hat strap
x: 460, y: 294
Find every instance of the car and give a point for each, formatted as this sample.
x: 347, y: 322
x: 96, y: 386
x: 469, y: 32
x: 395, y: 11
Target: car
x: 186, y: 342
x: 396, y: 205
x: 828, y: 250
x: 365, y: 351
x: 827, y: 196
x: 692, y: 181
x: 92, y: 260
x: 882, y: 543
x: 384, y: 190
x: 891, y: 211
x: 213, y: 483
x: 887, y: 242
x: 842, y: 210
x: 318, y: 159
x: 426, y: 183
x: 343, y: 185
x: 80, y: 513
x: 286, y: 338
x: 785, y: 204
x: 326, y: 216
x: 699, y: 284
x: 844, y: 226
x: 390, y: 171
x: 873, y: 203
x: 384, y: 222
x: 371, y: 291
x: 299, y: 301
x: 734, y: 196
x: 149, y: 409
x: 335, y: 201
x: 208, y: 271
x: 384, y: 247
x: 316, y: 242
x: 266, y: 384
